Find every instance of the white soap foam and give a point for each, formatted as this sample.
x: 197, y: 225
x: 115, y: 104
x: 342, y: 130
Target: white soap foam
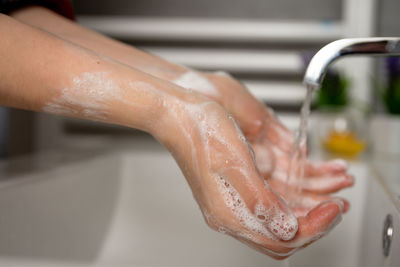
x: 239, y: 209
x: 87, y: 95
x: 59, y: 109
x: 195, y: 81
x: 207, y: 123
x: 282, y: 225
x: 222, y: 74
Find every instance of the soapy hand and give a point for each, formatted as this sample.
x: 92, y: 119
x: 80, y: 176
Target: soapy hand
x: 315, y: 211
x: 234, y: 197
x: 272, y: 141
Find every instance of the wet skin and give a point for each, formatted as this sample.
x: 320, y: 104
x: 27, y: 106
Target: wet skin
x: 212, y: 137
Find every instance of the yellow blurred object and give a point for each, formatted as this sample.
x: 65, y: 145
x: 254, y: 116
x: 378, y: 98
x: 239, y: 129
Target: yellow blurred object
x: 344, y: 143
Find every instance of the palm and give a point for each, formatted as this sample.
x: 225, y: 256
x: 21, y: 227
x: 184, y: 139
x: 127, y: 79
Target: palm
x: 272, y: 149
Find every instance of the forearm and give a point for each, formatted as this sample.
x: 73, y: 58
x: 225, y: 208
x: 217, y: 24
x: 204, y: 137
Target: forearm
x: 126, y: 54
x: 45, y: 73
x: 233, y: 96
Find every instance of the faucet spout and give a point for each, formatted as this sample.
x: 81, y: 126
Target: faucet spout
x: 377, y: 46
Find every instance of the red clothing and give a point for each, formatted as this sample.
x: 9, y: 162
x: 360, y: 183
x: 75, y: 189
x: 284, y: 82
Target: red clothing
x: 62, y: 7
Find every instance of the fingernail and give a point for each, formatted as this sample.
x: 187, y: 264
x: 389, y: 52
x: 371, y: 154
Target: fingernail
x: 340, y: 203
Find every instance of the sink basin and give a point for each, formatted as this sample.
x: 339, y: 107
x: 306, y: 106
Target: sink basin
x: 134, y: 208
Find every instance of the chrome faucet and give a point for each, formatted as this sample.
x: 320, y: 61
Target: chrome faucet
x: 316, y: 70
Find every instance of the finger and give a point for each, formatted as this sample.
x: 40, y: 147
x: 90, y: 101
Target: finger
x: 302, y: 202
x: 317, y: 223
x: 271, y: 247
x: 279, y: 135
x: 265, y: 158
x: 307, y: 203
x: 322, y: 168
x: 326, y: 184
x: 314, y: 225
x: 257, y: 207
x: 268, y: 153
x: 320, y: 185
x: 242, y: 187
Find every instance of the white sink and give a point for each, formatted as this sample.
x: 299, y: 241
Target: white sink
x: 135, y: 209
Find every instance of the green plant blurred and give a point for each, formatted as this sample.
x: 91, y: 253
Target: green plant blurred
x: 391, y: 98
x: 391, y: 93
x: 333, y: 92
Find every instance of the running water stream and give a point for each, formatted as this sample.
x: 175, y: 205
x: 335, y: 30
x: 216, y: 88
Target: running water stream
x: 298, y: 154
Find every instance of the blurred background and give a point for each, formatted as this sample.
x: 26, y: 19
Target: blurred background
x: 262, y: 43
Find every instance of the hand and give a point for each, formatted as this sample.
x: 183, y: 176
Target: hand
x: 234, y: 198
x: 271, y: 141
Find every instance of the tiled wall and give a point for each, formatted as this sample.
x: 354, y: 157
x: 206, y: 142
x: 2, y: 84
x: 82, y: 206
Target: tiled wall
x: 255, y: 9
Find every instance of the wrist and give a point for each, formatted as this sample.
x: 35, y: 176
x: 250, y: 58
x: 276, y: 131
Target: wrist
x: 180, y: 119
x: 156, y: 106
x: 141, y: 103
